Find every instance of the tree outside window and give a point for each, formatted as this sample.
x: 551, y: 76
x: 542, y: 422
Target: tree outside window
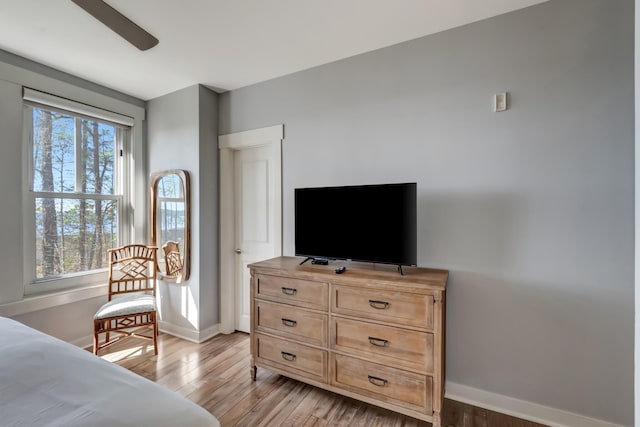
x: 75, y: 188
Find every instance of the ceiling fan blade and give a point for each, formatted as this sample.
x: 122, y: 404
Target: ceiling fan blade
x: 119, y: 23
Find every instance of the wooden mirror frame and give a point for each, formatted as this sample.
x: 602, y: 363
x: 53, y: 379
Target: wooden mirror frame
x: 154, y: 179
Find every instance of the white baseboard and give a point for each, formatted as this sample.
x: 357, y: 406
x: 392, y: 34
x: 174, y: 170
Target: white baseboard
x: 520, y: 408
x: 189, y: 334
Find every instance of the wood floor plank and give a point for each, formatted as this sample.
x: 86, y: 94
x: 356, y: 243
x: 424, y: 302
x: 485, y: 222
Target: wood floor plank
x: 327, y: 406
x: 215, y: 375
x: 301, y: 413
x: 344, y: 414
x: 314, y: 422
x: 191, y: 370
x: 246, y: 398
x: 201, y: 389
x: 276, y: 403
x: 282, y: 412
x: 226, y: 396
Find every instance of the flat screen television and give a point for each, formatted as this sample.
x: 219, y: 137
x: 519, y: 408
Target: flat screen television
x: 371, y: 223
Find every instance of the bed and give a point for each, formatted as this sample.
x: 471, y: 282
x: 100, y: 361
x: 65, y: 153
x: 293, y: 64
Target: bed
x: 48, y: 382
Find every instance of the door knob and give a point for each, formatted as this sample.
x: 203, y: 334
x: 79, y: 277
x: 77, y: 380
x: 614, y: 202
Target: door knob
x: 238, y: 250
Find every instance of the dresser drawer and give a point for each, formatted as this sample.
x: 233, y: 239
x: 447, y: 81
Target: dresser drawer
x: 291, y: 357
x: 304, y: 293
x: 394, y: 307
x: 387, y: 344
x: 293, y: 322
x: 407, y: 389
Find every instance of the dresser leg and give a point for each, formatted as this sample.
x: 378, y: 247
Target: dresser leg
x: 254, y: 369
x: 437, y: 422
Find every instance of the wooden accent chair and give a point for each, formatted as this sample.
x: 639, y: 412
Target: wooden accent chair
x: 131, y: 307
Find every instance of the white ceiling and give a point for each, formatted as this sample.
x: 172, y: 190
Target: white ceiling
x: 223, y: 44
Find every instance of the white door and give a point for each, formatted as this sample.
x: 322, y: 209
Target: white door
x: 255, y: 231
x: 250, y: 215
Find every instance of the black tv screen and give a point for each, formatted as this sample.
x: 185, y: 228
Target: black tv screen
x: 372, y: 223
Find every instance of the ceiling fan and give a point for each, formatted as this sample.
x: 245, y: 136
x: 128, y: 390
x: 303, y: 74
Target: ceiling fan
x: 119, y: 23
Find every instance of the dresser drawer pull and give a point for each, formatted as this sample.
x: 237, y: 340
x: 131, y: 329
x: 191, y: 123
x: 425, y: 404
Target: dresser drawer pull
x: 289, y: 291
x: 288, y: 356
x: 377, y: 381
x: 379, y: 342
x: 288, y: 322
x: 380, y: 305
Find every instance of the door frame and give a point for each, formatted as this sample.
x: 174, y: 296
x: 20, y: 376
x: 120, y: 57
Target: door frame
x: 268, y: 136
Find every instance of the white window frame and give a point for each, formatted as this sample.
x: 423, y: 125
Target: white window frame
x: 125, y: 188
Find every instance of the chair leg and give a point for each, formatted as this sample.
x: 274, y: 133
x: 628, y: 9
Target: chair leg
x: 155, y: 335
x: 95, y: 340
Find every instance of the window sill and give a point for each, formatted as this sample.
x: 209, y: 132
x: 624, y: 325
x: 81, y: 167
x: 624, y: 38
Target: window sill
x: 44, y: 301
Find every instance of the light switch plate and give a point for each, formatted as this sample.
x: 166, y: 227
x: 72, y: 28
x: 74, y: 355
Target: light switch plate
x: 500, y: 102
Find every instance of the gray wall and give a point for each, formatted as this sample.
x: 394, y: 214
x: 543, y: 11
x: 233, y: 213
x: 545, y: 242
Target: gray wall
x: 637, y: 214
x: 209, y: 207
x: 182, y: 135
x: 530, y: 209
x: 11, y: 288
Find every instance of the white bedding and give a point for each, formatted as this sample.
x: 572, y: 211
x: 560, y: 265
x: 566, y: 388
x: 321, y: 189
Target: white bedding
x: 47, y: 382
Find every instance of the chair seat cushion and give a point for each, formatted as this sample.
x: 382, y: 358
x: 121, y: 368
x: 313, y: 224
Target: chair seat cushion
x: 130, y: 304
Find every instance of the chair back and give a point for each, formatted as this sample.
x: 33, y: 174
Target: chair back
x: 132, y: 268
x: 172, y: 258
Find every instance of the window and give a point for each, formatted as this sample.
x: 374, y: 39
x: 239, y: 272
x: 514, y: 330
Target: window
x: 77, y: 195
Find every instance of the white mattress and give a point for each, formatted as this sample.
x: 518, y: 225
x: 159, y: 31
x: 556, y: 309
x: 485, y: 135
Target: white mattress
x: 48, y: 382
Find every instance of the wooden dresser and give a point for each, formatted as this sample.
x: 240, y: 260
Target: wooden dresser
x: 368, y: 333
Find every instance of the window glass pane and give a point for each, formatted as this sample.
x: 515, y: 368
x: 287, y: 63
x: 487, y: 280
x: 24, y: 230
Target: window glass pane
x: 73, y: 235
x: 170, y: 187
x: 172, y: 217
x: 172, y: 208
x: 53, y: 151
x: 75, y: 154
x: 98, y: 157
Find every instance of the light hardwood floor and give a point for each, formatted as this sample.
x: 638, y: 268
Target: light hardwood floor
x: 215, y: 375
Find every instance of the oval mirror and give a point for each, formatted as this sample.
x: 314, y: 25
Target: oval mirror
x: 170, y: 213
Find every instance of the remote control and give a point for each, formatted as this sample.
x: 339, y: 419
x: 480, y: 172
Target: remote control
x: 340, y: 269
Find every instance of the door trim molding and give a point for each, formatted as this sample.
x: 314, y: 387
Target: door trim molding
x: 228, y: 144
